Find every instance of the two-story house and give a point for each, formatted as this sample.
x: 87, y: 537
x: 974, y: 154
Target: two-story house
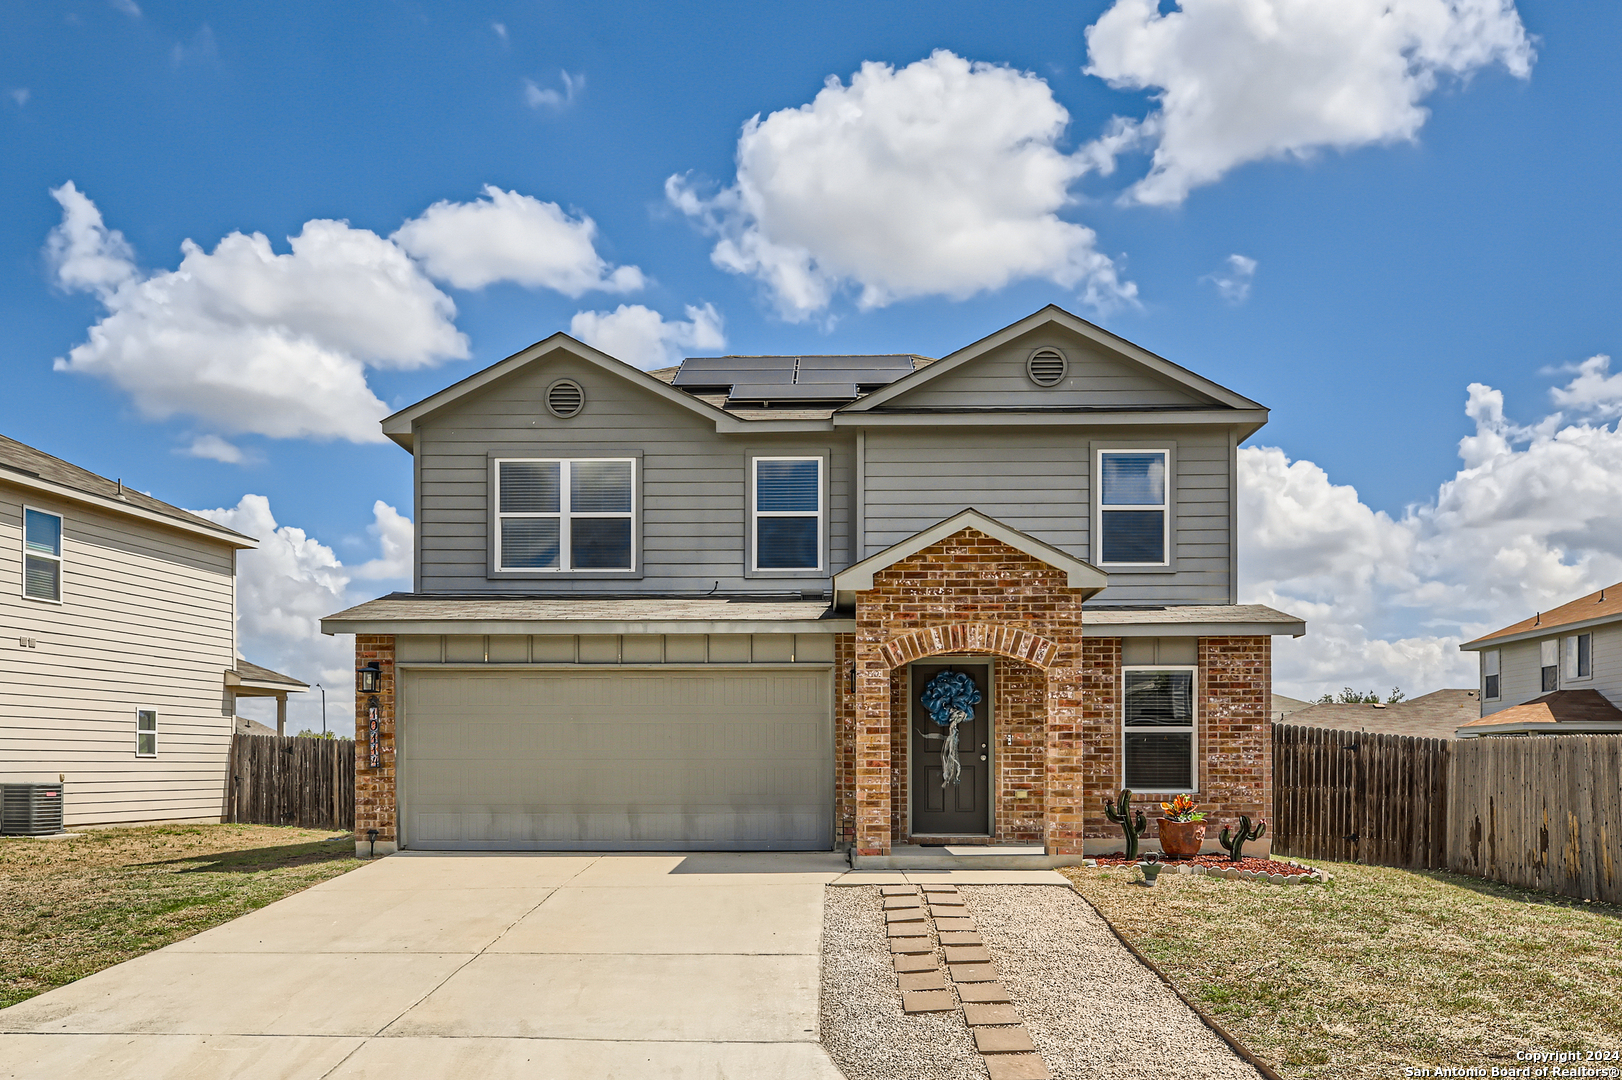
x: 814, y: 602
x: 119, y: 671
x: 1556, y: 672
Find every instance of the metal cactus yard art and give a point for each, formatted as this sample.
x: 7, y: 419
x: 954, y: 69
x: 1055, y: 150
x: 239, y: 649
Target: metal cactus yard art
x: 1131, y: 821
x: 1235, y: 842
x: 950, y: 698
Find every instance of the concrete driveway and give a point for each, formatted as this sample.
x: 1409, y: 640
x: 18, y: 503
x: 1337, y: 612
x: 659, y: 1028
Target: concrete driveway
x: 484, y: 966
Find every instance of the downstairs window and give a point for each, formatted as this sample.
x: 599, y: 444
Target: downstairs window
x: 1158, y: 728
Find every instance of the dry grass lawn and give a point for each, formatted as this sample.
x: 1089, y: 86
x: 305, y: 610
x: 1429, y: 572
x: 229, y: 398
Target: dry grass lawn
x: 74, y: 906
x: 1381, y: 969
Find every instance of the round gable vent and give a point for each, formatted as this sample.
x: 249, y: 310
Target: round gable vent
x: 1046, y: 367
x: 564, y: 398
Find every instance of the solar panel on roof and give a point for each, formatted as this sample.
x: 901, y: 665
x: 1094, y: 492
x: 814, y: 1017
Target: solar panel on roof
x: 829, y: 391
x: 726, y: 370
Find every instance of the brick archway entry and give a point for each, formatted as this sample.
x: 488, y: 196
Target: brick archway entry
x: 969, y: 593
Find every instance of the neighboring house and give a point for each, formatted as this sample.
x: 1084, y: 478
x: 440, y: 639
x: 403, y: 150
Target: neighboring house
x: 699, y: 608
x: 1286, y: 706
x: 1566, y: 663
x: 117, y: 643
x: 1436, y: 715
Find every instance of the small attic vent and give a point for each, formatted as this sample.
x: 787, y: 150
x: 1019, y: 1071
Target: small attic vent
x: 564, y: 398
x: 1046, y: 367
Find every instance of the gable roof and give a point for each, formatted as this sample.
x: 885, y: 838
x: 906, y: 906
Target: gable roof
x: 1436, y: 715
x: 398, y: 426
x: 1597, y: 607
x: 23, y: 466
x: 1055, y: 315
x: 859, y: 576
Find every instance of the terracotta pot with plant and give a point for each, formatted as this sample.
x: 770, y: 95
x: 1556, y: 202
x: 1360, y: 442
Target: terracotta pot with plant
x: 1182, y: 829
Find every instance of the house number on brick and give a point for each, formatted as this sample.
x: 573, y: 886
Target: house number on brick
x: 374, y: 739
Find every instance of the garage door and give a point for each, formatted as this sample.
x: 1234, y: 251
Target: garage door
x: 571, y: 760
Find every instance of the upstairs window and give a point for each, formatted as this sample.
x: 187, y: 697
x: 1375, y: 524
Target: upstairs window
x: 565, y: 514
x: 788, y: 518
x: 1489, y: 675
x: 1158, y: 718
x: 1551, y: 664
x: 42, y: 555
x: 1133, y: 520
x: 1580, y: 656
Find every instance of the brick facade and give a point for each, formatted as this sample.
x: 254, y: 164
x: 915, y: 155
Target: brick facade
x: 374, y: 788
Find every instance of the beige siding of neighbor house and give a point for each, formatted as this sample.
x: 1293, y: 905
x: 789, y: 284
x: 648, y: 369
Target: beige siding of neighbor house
x: 693, y: 519
x: 1521, y: 669
x: 147, y: 620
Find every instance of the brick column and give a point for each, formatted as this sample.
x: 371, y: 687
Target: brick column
x: 873, y: 794
x: 1101, y: 729
x: 1236, y: 737
x: 374, y: 788
x: 844, y: 742
x: 1066, y: 741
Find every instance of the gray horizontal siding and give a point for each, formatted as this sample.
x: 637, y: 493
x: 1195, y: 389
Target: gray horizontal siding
x: 1521, y: 671
x: 1039, y: 481
x: 693, y: 524
x: 1093, y: 378
x: 147, y: 621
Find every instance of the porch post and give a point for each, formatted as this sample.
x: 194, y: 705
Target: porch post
x: 1066, y: 789
x: 281, y: 714
x: 872, y: 747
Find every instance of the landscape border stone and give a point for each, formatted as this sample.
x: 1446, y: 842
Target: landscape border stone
x: 1310, y: 875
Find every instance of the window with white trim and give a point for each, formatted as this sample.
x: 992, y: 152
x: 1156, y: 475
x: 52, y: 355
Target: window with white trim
x: 561, y: 514
x: 788, y: 513
x: 146, y: 733
x: 1489, y: 674
x: 1550, y: 663
x: 1580, y: 656
x: 1157, y: 719
x: 42, y: 555
x: 1133, y: 512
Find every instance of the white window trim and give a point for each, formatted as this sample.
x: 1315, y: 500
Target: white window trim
x: 1568, y: 653
x: 1192, y: 728
x: 1559, y: 644
x: 60, y: 558
x: 1498, y: 656
x: 1164, y: 507
x: 756, y: 513
x: 565, y: 518
x: 139, y: 709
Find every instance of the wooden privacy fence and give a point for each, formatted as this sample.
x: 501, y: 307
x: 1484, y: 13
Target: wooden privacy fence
x: 1543, y: 812
x: 291, y: 780
x: 1354, y: 796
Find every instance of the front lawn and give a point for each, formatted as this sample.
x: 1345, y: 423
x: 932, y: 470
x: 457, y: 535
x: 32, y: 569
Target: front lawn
x: 71, y: 907
x: 1381, y: 969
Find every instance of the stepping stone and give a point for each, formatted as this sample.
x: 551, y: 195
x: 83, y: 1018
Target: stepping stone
x: 892, y: 903
x: 944, y: 899
x: 1003, y: 1040
x: 915, y: 914
x: 897, y: 890
x: 971, y: 973
x: 967, y: 954
x: 925, y: 1001
x: 924, y: 980
x: 1017, y: 1067
x: 940, y: 889
x: 960, y: 937
x: 950, y: 911
x: 988, y: 993
x: 908, y: 929
x: 947, y: 926
x: 905, y: 964
x: 911, y: 945
x: 982, y: 1015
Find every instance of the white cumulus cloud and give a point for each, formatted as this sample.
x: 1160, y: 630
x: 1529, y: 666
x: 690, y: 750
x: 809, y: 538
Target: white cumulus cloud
x: 544, y: 97
x: 285, y: 586
x: 506, y: 236
x: 643, y: 338
x: 214, y: 448
x: 1531, y: 520
x: 1245, y: 80
x: 1234, y: 278
x: 942, y: 178
x: 249, y: 340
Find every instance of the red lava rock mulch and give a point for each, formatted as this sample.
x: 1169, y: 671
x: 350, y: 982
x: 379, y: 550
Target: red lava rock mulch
x: 1263, y: 866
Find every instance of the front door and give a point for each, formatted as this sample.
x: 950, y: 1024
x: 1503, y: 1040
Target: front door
x: 961, y: 808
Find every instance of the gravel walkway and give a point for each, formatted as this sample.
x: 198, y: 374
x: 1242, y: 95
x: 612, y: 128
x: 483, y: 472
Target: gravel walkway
x: 863, y: 1027
x: 1091, y: 1008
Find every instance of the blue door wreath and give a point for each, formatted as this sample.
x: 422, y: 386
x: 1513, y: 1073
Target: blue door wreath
x: 950, y: 698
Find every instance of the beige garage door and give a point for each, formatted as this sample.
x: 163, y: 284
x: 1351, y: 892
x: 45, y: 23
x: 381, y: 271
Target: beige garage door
x: 581, y: 760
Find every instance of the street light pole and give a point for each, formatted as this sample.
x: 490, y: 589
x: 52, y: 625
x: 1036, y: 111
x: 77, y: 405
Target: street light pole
x: 323, y: 690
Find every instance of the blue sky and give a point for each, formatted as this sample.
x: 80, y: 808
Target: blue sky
x: 1477, y: 244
